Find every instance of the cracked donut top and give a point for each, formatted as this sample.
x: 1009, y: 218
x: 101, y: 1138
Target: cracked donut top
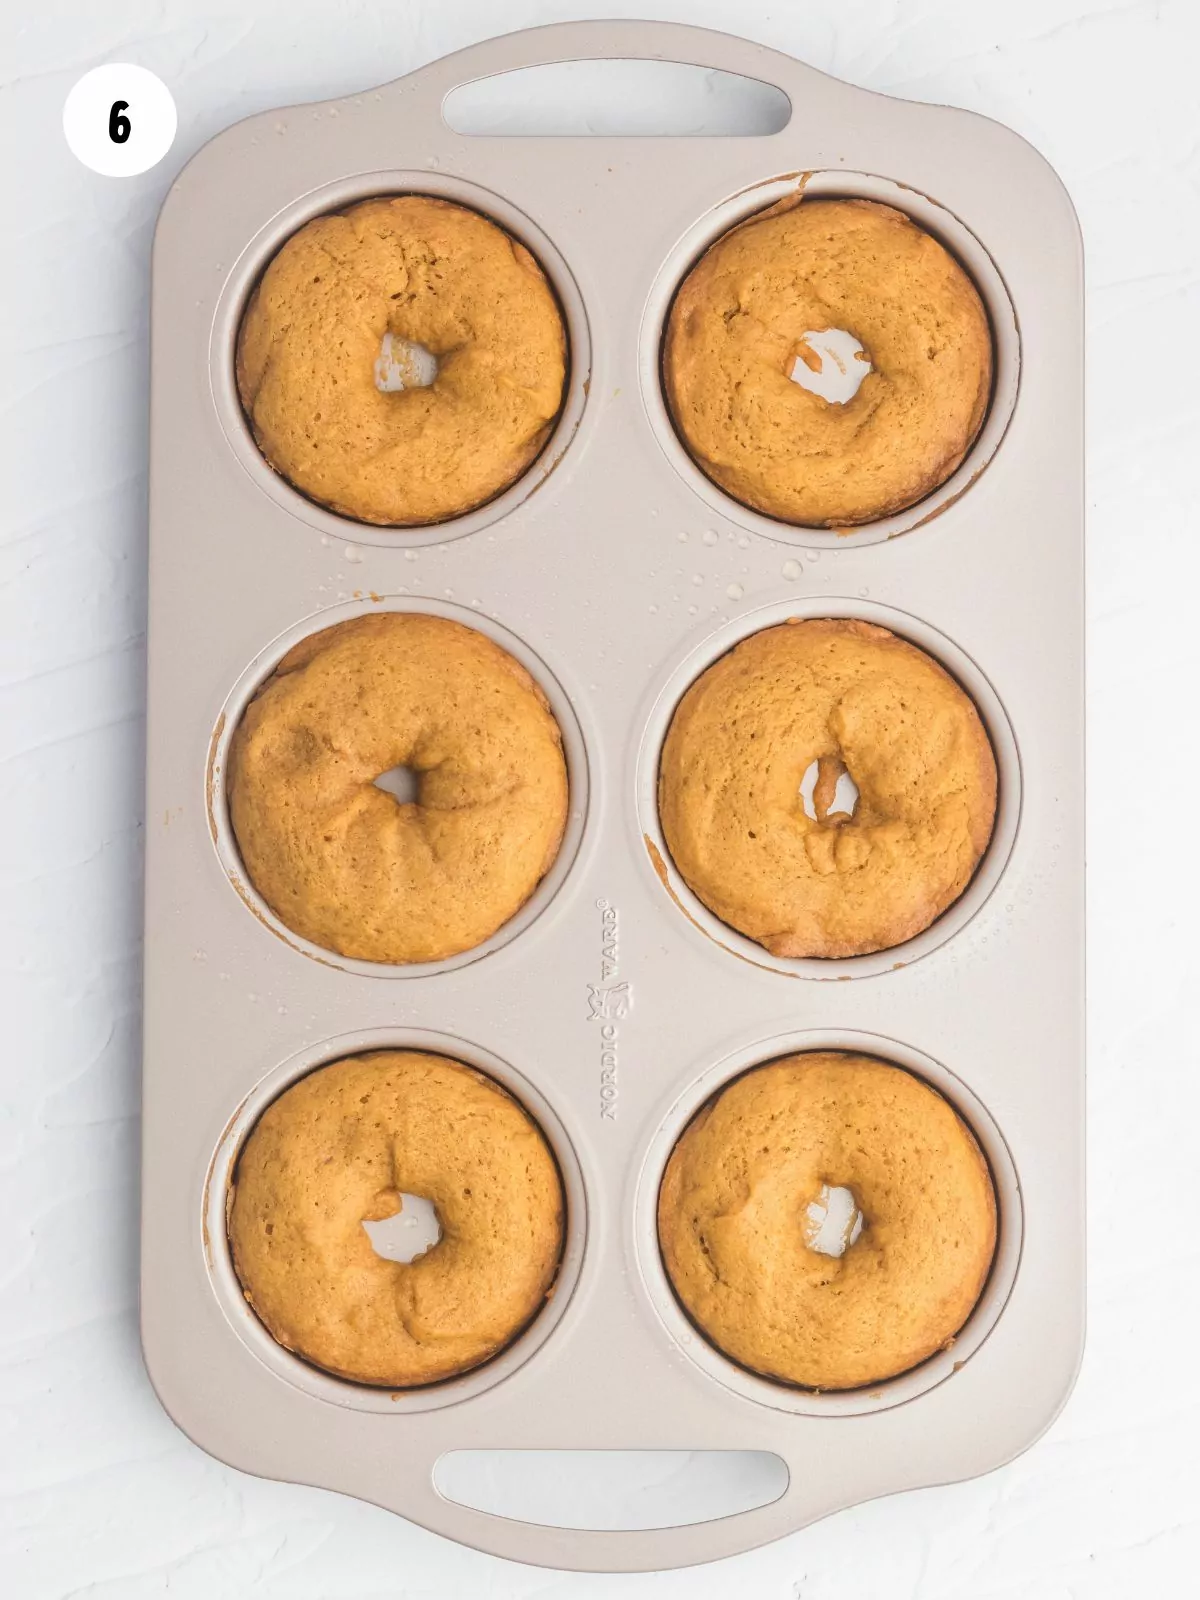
x: 338, y: 1149
x: 420, y: 273
x: 757, y: 308
x: 851, y: 698
x: 755, y: 1162
x: 347, y: 864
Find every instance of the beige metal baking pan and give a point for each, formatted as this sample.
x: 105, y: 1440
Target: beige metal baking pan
x: 614, y: 1003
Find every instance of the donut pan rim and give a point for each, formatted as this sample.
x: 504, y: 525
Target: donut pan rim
x: 624, y: 569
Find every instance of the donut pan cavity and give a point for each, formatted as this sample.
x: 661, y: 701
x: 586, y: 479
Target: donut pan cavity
x: 613, y: 1005
x: 261, y: 668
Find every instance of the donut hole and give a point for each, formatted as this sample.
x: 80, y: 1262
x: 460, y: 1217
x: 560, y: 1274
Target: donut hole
x: 832, y: 1222
x: 827, y: 791
x: 830, y: 363
x: 403, y: 783
x: 408, y: 1232
x: 403, y: 364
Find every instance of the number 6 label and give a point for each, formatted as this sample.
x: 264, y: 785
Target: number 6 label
x: 120, y: 120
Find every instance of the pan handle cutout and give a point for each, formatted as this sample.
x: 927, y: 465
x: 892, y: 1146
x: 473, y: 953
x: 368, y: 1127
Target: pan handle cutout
x: 611, y: 1491
x: 611, y: 98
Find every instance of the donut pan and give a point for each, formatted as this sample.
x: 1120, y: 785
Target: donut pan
x: 614, y: 1003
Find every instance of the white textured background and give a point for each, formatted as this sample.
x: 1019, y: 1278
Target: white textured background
x: 99, y: 1494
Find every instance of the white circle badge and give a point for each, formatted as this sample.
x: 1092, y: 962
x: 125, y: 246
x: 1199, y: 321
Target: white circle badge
x: 120, y: 120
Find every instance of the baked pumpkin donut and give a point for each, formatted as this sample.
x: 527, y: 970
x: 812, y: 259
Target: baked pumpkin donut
x: 748, y: 1190
x: 342, y: 1147
x: 753, y: 306
x: 345, y: 863
x: 412, y: 271
x: 850, y: 697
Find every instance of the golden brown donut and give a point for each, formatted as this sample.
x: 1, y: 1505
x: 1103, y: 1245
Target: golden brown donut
x: 740, y: 320
x: 346, y: 864
x: 341, y: 1147
x: 425, y: 271
x: 735, y: 1228
x: 852, y: 697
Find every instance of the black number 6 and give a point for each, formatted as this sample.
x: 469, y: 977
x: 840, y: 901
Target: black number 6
x: 118, y: 125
